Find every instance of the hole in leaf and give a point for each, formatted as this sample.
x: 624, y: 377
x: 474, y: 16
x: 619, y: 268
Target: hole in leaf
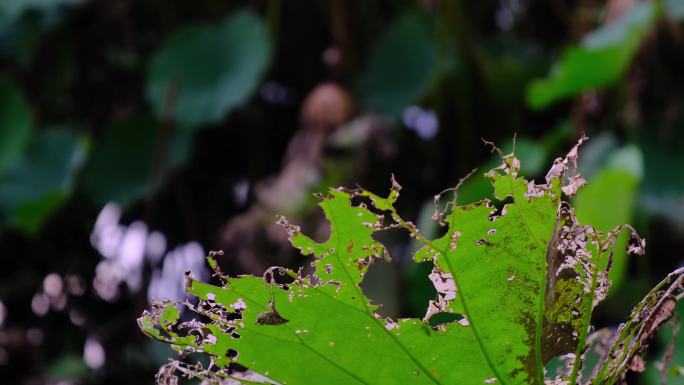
x: 232, y: 353
x: 420, y: 289
x: 381, y: 286
x: 500, y: 207
x: 444, y: 318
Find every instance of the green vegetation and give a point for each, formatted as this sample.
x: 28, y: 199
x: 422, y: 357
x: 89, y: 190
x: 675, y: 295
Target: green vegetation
x: 520, y: 284
x: 136, y: 135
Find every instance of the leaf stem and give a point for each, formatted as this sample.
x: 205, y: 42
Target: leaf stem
x: 628, y: 331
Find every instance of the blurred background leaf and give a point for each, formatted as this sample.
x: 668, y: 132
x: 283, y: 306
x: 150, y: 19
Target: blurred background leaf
x: 601, y: 59
x: 674, y: 9
x: 13, y: 9
x: 15, y: 124
x: 133, y: 159
x: 204, y: 71
x: 68, y: 367
x: 609, y: 201
x: 400, y: 66
x: 41, y: 181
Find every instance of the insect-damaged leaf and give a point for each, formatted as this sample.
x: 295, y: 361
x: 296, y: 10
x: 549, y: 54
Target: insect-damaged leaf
x: 499, y: 264
x: 632, y: 337
x: 333, y: 334
x: 519, y: 273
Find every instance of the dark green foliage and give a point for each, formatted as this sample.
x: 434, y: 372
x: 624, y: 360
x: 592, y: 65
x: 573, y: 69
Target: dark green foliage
x: 202, y: 72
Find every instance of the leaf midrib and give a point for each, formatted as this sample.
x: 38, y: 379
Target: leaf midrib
x: 361, y: 297
x: 542, y: 296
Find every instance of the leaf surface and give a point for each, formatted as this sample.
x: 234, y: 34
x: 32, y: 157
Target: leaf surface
x: 514, y: 273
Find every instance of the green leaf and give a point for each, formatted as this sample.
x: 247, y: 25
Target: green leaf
x: 601, y: 59
x: 121, y: 166
x: 510, y: 293
x: 328, y: 323
x: 516, y: 278
x: 202, y: 72
x: 42, y: 180
x: 158, y: 325
x: 15, y: 124
x: 400, y: 66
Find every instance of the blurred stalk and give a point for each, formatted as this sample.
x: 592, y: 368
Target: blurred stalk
x: 273, y: 16
x: 564, y: 13
x: 472, y: 90
x: 339, y: 25
x: 584, y: 19
x: 579, y: 115
x: 454, y: 19
x: 165, y: 133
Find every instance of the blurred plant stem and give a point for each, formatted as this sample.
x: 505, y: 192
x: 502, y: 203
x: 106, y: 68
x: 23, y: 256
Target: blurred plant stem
x: 472, y: 87
x: 273, y: 15
x: 165, y: 129
x: 340, y: 29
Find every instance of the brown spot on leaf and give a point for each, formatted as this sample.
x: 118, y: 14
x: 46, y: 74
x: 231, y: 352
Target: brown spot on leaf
x: 350, y: 246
